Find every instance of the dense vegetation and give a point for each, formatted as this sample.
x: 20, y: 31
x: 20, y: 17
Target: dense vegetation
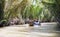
x: 44, y: 10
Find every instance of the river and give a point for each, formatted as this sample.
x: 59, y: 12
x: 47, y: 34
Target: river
x: 23, y: 31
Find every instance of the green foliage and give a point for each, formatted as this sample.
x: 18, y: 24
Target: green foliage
x: 49, y: 1
x: 41, y: 9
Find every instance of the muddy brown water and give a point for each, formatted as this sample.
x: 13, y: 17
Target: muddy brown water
x: 23, y: 31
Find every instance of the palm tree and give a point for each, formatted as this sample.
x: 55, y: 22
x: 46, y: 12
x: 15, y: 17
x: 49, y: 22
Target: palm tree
x: 15, y: 8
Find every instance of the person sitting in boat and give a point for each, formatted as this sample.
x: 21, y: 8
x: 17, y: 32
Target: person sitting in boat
x: 36, y: 23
